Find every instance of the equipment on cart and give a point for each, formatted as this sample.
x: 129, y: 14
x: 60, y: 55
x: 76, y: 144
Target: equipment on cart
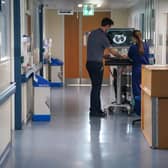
x: 121, y: 39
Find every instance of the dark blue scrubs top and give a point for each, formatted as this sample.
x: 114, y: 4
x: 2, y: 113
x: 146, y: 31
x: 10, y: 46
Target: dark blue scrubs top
x: 138, y: 61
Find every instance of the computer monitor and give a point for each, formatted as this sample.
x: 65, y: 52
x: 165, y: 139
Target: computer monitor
x: 120, y: 37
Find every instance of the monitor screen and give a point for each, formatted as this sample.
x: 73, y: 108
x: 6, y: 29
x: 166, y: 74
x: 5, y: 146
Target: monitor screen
x: 120, y: 37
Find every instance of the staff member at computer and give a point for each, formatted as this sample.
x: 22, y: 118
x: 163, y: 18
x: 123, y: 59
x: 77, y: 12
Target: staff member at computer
x: 139, y: 53
x: 97, y: 43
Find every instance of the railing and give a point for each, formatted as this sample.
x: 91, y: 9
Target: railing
x: 5, y: 94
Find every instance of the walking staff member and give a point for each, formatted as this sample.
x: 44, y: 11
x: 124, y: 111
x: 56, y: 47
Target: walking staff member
x: 97, y: 43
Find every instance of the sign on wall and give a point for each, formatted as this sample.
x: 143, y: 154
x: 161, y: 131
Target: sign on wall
x: 88, y: 10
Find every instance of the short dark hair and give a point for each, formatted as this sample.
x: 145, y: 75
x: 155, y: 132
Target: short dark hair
x: 107, y: 21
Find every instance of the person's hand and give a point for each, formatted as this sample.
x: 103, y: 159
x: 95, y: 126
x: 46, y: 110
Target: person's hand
x: 106, y: 56
x: 124, y: 56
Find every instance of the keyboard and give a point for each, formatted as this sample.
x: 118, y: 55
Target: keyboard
x: 117, y: 61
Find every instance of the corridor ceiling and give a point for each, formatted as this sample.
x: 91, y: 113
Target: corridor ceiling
x: 72, y: 4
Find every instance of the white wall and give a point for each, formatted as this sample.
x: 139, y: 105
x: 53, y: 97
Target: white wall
x: 23, y: 18
x: 161, y: 28
x: 163, y: 6
x: 120, y: 17
x: 5, y: 72
x: 134, y: 14
x: 5, y: 125
x: 54, y: 28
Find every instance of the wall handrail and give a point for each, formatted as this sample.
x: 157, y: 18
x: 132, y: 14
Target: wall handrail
x: 5, y: 94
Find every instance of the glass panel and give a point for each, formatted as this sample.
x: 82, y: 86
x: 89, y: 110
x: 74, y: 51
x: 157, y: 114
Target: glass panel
x: 149, y: 21
x: 142, y: 24
x: 4, y: 30
x: 167, y: 42
x: 5, y: 66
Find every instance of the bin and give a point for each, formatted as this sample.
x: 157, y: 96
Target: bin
x: 56, y: 68
x: 41, y: 99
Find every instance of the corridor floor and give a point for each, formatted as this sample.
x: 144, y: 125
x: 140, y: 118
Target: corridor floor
x: 73, y: 140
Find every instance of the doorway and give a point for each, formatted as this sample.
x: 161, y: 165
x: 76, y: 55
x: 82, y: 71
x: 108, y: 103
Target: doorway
x: 75, y: 51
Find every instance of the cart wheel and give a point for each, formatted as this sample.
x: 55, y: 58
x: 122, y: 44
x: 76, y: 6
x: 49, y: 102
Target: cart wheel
x: 129, y: 112
x: 111, y: 110
x: 124, y: 110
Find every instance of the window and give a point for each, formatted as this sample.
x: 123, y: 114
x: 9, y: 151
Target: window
x: 142, y: 25
x: 4, y: 30
x: 149, y: 21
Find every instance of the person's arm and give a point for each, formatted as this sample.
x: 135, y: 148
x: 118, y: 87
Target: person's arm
x: 110, y: 50
x: 116, y: 53
x: 130, y: 52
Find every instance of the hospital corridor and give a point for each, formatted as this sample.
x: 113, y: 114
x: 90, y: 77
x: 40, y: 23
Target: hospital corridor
x: 83, y: 84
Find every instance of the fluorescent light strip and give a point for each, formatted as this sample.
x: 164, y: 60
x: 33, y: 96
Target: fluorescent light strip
x: 80, y: 5
x: 98, y: 5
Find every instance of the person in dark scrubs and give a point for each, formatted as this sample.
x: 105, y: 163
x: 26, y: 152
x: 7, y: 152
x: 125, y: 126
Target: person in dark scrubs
x: 139, y: 53
x: 96, y: 44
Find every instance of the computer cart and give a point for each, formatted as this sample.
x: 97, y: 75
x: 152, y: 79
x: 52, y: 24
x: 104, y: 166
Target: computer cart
x: 122, y: 84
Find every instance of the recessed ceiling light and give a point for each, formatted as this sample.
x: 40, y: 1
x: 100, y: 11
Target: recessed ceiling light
x: 3, y: 1
x: 80, y: 5
x: 98, y: 5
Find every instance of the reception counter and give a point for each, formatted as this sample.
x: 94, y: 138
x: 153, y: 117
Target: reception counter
x: 154, y: 105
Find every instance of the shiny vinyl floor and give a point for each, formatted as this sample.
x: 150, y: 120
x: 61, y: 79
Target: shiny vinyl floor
x: 73, y: 140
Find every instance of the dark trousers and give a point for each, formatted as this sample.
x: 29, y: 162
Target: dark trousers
x: 136, y: 81
x: 95, y: 70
